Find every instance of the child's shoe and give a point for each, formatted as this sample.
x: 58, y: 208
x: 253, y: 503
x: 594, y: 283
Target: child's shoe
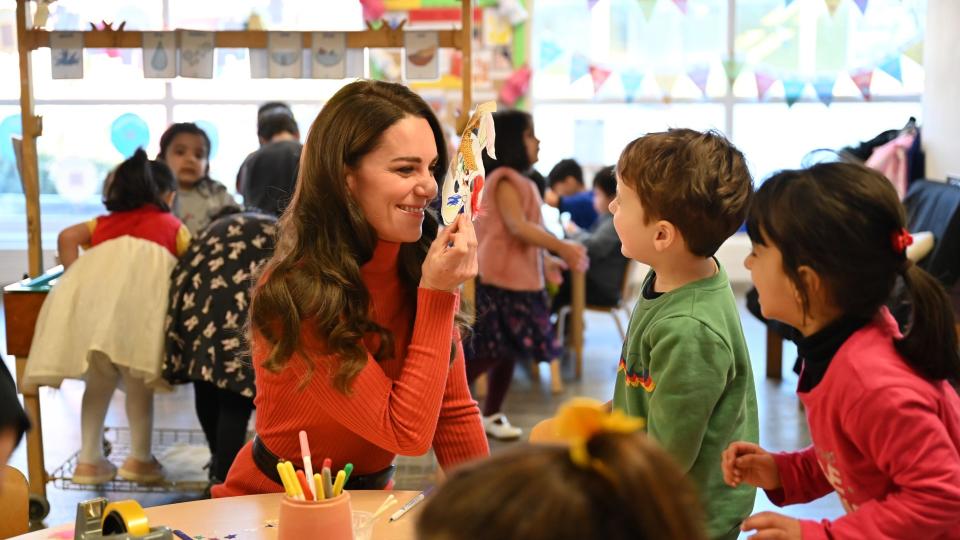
x: 498, y: 427
x: 141, y: 472
x: 94, y: 473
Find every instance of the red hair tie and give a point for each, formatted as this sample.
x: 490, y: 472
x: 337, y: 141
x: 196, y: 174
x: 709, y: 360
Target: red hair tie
x: 901, y: 240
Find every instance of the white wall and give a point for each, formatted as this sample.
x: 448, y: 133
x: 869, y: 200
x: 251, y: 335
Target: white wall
x: 13, y: 264
x: 941, y: 96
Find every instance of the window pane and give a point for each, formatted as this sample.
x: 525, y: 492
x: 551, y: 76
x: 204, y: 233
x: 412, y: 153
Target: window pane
x: 775, y: 137
x: 233, y: 135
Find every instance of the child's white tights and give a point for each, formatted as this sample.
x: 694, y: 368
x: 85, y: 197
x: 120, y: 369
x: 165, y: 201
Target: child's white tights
x: 101, y: 379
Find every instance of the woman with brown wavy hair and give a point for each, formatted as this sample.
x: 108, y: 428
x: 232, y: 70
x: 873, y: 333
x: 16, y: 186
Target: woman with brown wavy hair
x: 353, y: 322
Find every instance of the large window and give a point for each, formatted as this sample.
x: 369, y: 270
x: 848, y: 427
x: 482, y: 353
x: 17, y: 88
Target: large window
x: 606, y: 75
x: 82, y: 117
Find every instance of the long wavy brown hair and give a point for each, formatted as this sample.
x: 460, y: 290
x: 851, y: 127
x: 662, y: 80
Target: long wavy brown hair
x: 313, y: 278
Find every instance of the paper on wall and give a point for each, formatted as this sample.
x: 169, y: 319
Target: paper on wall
x: 159, y: 55
x: 420, y: 51
x: 285, y: 53
x: 66, y: 55
x: 328, y: 55
x: 196, y: 54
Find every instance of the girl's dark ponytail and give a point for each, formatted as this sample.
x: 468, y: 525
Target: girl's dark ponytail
x: 930, y: 342
x: 137, y: 182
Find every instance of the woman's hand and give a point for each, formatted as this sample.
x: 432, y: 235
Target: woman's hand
x: 747, y: 462
x: 575, y: 255
x: 553, y: 268
x: 452, y: 258
x: 773, y: 526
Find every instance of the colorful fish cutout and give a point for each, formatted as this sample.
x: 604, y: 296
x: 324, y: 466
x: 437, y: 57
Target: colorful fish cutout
x: 463, y: 188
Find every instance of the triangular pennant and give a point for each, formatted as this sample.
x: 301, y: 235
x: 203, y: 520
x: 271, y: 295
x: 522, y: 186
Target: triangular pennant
x: 372, y: 9
x: 599, y: 76
x: 862, y: 79
x: 732, y: 68
x: 549, y: 53
x: 764, y: 82
x: 699, y: 75
x: 681, y: 5
x: 792, y: 90
x: 862, y: 4
x: 832, y: 6
x: 631, y: 80
x: 591, y: 3
x: 665, y: 82
x: 647, y: 7
x: 892, y: 66
x: 915, y: 52
x: 515, y: 86
x: 579, y: 66
x: 824, y: 88
x: 787, y: 3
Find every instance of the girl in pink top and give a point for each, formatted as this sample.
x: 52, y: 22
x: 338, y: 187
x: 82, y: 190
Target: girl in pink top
x: 829, y: 244
x: 513, y: 314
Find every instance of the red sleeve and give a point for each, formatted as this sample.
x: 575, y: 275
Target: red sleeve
x: 900, y: 431
x: 400, y: 415
x: 801, y: 477
x: 460, y: 436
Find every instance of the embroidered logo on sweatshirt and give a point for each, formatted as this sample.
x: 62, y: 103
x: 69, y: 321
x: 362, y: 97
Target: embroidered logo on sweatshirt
x: 635, y: 380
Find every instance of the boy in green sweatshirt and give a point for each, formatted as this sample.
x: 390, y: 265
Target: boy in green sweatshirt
x: 684, y: 367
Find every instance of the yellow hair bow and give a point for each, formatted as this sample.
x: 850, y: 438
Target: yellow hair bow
x: 581, y: 418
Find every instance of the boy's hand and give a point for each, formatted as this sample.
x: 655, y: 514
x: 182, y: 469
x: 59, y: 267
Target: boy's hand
x: 773, y: 526
x: 747, y: 462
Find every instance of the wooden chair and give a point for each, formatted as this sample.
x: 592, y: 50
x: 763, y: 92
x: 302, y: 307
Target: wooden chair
x: 629, y: 290
x: 14, y: 518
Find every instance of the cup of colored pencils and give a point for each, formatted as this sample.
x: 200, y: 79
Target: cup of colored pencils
x: 317, y: 509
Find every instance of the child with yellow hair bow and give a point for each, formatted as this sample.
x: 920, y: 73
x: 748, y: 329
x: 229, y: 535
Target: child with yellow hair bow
x: 600, y: 479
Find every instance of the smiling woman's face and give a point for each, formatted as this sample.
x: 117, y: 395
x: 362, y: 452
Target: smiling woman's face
x: 394, y: 183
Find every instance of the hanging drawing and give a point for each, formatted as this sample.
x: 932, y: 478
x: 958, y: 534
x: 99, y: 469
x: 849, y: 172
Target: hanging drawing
x: 285, y: 53
x: 421, y: 50
x: 66, y: 55
x: 196, y: 54
x: 328, y: 55
x: 159, y: 55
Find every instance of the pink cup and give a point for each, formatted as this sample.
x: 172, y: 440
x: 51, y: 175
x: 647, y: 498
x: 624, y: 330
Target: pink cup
x: 329, y: 518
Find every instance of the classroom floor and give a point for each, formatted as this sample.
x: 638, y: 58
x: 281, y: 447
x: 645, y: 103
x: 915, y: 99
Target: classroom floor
x: 782, y: 425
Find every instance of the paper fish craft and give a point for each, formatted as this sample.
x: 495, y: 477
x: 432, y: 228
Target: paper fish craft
x: 463, y: 187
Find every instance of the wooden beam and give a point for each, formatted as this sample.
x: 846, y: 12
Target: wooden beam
x: 384, y: 37
x: 32, y: 128
x: 466, y: 46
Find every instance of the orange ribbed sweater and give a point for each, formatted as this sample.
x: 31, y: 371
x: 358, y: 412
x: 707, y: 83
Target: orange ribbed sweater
x: 403, y: 406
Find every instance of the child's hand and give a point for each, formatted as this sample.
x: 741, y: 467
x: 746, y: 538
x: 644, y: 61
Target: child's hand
x: 575, y: 255
x: 747, y: 462
x: 773, y: 526
x: 553, y: 268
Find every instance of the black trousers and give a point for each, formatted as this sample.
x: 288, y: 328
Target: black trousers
x: 223, y: 415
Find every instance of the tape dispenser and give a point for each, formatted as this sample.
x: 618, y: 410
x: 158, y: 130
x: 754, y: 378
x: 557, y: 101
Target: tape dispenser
x: 122, y: 520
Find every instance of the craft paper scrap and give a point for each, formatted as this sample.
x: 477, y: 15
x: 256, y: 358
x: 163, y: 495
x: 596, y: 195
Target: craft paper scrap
x: 66, y: 55
x: 285, y: 53
x: 196, y: 54
x: 328, y: 55
x: 159, y: 55
x: 421, y: 50
x: 463, y: 187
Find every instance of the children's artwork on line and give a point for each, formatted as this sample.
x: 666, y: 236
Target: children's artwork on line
x: 66, y: 55
x: 329, y: 55
x: 420, y: 50
x: 285, y: 52
x: 355, y: 62
x: 159, y: 55
x: 463, y: 187
x: 196, y: 54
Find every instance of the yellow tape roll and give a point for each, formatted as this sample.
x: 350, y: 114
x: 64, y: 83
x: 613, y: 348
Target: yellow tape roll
x: 126, y: 514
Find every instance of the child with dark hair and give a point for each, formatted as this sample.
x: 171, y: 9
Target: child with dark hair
x: 567, y: 193
x: 829, y: 242
x: 609, y: 482
x: 513, y: 311
x: 267, y: 178
x: 685, y: 368
x: 186, y: 149
x: 120, y: 284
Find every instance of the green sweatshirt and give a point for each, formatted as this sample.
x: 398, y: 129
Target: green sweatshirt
x: 685, y: 369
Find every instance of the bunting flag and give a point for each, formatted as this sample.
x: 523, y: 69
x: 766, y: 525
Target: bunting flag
x: 681, y: 5
x: 862, y: 79
x: 832, y: 6
x: 631, y: 80
x: 699, y: 75
x: 647, y: 7
x: 787, y: 3
x: 732, y: 68
x: 372, y: 9
x: 824, y: 88
x: 792, y: 90
x: 764, y: 82
x: 862, y: 4
x: 579, y: 66
x: 549, y: 53
x: 915, y: 52
x: 591, y: 3
x: 665, y: 82
x: 599, y: 76
x: 892, y: 66
x: 515, y: 86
